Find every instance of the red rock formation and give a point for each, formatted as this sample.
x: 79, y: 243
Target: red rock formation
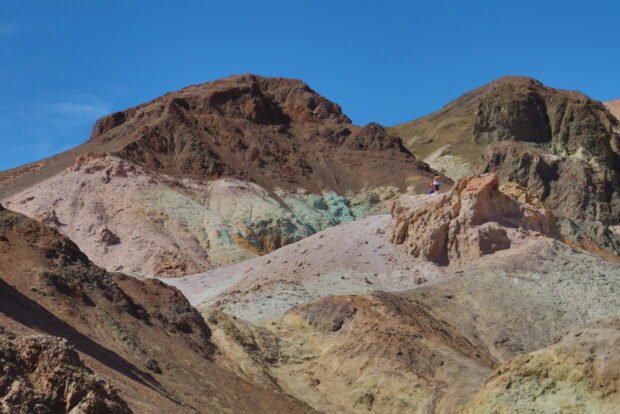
x: 273, y: 131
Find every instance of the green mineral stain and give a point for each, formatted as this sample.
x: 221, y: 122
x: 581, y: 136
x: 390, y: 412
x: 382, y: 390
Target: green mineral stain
x: 339, y: 207
x: 225, y: 236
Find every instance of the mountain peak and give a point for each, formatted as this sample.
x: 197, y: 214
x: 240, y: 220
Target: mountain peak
x: 257, y: 99
x: 517, y: 81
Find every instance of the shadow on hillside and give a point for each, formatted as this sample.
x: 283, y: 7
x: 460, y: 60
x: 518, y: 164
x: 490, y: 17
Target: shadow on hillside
x: 22, y: 309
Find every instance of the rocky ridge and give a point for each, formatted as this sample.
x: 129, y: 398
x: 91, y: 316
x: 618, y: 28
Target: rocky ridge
x: 275, y: 132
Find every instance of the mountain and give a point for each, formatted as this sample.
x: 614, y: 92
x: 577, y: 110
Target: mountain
x: 565, y: 123
x: 561, y: 146
x: 214, y: 174
x: 474, y: 279
x: 78, y: 339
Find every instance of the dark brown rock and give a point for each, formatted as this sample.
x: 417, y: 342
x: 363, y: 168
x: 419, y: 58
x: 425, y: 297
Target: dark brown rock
x: 277, y: 132
x: 586, y: 201
x: 523, y: 109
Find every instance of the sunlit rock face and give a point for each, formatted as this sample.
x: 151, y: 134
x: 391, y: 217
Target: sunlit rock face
x: 471, y: 220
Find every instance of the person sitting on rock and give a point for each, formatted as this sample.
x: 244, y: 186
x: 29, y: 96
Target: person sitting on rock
x: 434, y: 185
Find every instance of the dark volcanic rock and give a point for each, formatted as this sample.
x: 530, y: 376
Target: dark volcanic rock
x: 523, y: 109
x: 585, y: 200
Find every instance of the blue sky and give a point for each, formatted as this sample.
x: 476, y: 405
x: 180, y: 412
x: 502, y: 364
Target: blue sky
x: 63, y: 64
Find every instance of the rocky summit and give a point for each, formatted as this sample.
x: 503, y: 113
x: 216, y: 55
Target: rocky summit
x: 241, y: 247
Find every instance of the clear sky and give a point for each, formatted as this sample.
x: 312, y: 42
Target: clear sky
x: 65, y: 63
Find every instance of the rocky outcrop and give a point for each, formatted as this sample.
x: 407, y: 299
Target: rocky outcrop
x: 580, y: 373
x: 570, y: 188
x: 472, y: 220
x: 44, y: 374
x: 569, y: 122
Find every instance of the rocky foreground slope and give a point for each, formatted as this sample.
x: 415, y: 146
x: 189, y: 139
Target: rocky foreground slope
x: 562, y: 146
x: 212, y: 175
x: 496, y: 285
x: 74, y: 338
x: 44, y: 374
